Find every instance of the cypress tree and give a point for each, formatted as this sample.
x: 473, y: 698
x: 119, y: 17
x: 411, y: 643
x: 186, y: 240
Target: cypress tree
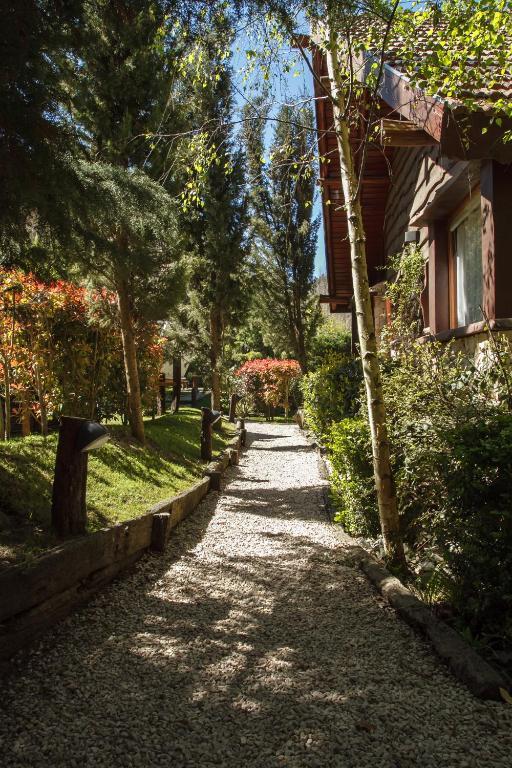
x: 216, y: 228
x: 284, y: 228
x: 37, y: 141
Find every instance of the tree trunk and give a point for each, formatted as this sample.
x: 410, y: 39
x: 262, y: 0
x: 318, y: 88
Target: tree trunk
x: 25, y: 415
x: 160, y: 401
x: 206, y: 435
x: 7, y: 386
x: 384, y: 484
x: 193, y: 394
x: 130, y: 361
x: 232, y: 407
x: 176, y: 384
x: 300, y: 343
x: 215, y: 350
x: 42, y: 402
x: 301, y: 347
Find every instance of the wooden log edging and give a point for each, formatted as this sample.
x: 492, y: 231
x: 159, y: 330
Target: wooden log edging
x: 36, y: 595
x: 466, y: 664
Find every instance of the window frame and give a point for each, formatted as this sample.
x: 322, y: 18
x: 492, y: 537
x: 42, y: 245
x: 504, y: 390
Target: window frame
x: 471, y: 203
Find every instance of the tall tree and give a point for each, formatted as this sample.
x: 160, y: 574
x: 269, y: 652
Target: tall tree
x: 36, y: 140
x: 216, y: 223
x: 284, y: 226
x: 125, y: 86
x: 465, y: 32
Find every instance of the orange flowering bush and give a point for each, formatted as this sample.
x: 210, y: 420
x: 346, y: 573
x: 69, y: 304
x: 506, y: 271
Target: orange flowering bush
x: 61, y: 351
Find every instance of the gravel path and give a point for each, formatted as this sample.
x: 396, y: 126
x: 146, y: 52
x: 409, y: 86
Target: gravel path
x: 249, y: 643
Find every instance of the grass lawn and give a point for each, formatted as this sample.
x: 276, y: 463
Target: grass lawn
x: 124, y: 479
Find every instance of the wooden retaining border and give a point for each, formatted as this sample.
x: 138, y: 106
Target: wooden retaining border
x: 35, y: 595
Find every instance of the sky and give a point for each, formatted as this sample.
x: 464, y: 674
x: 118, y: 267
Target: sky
x: 289, y: 87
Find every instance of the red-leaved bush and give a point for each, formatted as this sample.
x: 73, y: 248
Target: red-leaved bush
x: 268, y: 381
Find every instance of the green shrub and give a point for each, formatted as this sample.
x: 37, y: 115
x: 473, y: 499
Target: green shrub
x: 353, y: 487
x: 473, y: 525
x: 329, y: 340
x: 451, y: 437
x: 331, y: 392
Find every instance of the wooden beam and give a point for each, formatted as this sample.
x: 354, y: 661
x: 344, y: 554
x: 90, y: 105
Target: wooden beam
x: 404, y: 133
x: 337, y: 299
x: 332, y: 181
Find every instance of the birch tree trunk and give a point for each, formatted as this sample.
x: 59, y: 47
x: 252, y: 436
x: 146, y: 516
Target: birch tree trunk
x: 388, y: 511
x: 130, y: 360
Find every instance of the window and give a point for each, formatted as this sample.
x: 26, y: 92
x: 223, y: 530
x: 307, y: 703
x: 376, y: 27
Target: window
x: 467, y: 271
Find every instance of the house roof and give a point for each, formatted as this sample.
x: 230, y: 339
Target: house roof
x: 460, y: 132
x: 484, y: 79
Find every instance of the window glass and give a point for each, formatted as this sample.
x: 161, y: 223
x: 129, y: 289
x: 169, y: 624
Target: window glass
x: 468, y: 265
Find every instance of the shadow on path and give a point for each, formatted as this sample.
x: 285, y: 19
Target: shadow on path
x: 249, y: 643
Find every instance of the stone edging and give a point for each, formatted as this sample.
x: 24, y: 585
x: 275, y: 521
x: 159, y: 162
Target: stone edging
x: 36, y: 595
x: 466, y: 664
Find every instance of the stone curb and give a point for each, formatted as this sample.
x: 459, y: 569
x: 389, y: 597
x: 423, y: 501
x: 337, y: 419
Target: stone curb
x: 465, y: 663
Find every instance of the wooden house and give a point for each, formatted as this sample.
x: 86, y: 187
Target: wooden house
x: 441, y: 176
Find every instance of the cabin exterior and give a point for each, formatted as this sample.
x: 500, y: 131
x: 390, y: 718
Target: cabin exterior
x: 440, y: 176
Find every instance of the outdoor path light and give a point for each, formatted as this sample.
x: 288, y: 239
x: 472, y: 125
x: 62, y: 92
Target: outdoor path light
x: 76, y: 438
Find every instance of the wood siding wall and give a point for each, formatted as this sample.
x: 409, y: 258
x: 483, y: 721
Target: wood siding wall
x: 420, y: 178
x: 425, y: 189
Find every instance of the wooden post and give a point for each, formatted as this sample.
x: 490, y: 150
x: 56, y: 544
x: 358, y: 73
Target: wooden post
x: 193, y: 396
x: 232, y: 407
x: 161, y: 395
x: 69, y: 513
x: 206, y: 434
x: 176, y: 384
x: 214, y: 475
x: 160, y: 531
x: 243, y: 431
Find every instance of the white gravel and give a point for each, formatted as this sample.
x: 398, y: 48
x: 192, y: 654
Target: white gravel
x: 249, y: 643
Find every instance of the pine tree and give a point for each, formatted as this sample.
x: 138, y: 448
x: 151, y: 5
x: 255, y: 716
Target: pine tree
x: 36, y: 140
x: 125, y: 81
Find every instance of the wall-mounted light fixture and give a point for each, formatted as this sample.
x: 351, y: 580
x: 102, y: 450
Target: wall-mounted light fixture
x: 412, y: 236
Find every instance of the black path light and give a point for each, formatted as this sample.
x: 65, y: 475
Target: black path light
x: 91, y: 435
x: 208, y: 420
x: 76, y: 438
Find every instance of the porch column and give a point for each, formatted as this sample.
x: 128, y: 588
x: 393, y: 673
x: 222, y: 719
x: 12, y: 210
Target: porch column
x: 496, y: 194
